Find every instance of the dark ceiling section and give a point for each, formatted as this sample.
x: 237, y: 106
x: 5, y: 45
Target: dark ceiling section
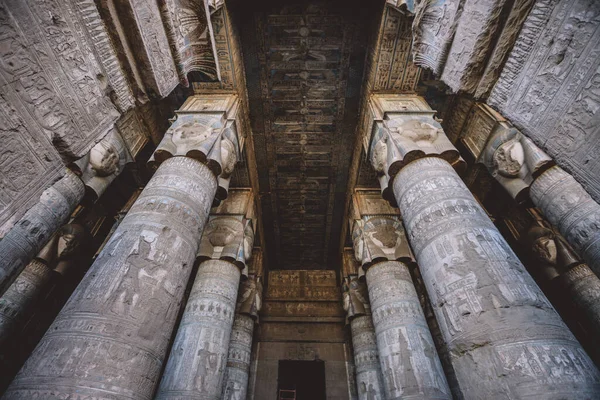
x: 304, y: 67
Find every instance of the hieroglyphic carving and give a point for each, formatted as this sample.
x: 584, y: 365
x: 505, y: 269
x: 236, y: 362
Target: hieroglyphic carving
x: 570, y: 208
x: 134, y: 131
x: 514, y: 161
x: 105, y: 161
x: 20, y: 299
x: 482, y: 122
x: 369, y: 381
x: 393, y: 62
x: 409, y: 362
x: 49, y: 75
x: 205, y: 129
x: 433, y: 29
x: 199, y: 354
x: 191, y: 37
x: 483, y: 298
x: 35, y: 228
x: 235, y: 382
x: 302, y: 285
x: 549, y: 85
x: 144, y: 28
x: 110, y: 339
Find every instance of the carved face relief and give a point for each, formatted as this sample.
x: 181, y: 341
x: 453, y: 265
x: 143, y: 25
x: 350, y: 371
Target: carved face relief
x: 544, y: 249
x: 190, y: 132
x: 104, y: 159
x: 380, y: 156
x: 222, y: 235
x: 509, y: 158
x: 358, y: 243
x: 228, y: 156
x: 417, y: 131
x: 385, y: 236
x: 69, y: 240
x: 248, y: 241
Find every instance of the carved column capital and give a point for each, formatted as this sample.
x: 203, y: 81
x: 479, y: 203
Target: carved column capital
x: 229, y: 238
x: 405, y: 130
x: 104, y: 162
x: 514, y: 161
x: 205, y: 129
x: 250, y: 297
x: 356, y: 298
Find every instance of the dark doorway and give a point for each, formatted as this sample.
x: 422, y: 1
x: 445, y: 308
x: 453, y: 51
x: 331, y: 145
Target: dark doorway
x: 303, y: 379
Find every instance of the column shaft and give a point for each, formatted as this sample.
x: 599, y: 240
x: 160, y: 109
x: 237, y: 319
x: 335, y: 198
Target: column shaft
x: 505, y: 340
x: 18, y: 302
x: 110, y: 339
x: 199, y: 354
x: 235, y: 382
x: 369, y: 381
x: 409, y: 361
x: 570, y: 208
x: 35, y: 228
x: 582, y: 287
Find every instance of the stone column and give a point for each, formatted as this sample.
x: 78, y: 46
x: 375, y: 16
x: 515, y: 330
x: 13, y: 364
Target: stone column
x: 505, y: 339
x: 410, y: 365
x: 369, y: 381
x: 19, y: 301
x: 523, y: 169
x: 110, y: 339
x: 570, y: 208
x: 198, y: 358
x: 235, y: 382
x: 567, y: 275
x: 35, y: 228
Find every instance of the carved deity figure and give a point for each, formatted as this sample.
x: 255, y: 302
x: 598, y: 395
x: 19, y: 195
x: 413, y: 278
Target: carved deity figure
x: 551, y: 251
x: 514, y: 161
x: 208, y: 364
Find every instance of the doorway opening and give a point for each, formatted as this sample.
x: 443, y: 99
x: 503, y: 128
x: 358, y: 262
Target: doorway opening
x: 301, y: 380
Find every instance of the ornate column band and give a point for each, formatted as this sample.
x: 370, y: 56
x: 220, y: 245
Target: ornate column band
x: 235, y: 382
x: 366, y: 357
x: 504, y: 338
x: 110, y: 339
x: 570, y: 208
x: 35, y: 228
x: 19, y: 301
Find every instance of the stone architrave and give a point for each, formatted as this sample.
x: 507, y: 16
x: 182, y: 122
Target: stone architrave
x: 20, y: 299
x: 369, y: 382
x: 566, y: 204
x: 503, y: 336
x: 198, y: 358
x: 235, y: 381
x: 567, y: 274
x: 409, y: 362
x: 105, y: 161
x: 35, y: 228
x: 112, y: 336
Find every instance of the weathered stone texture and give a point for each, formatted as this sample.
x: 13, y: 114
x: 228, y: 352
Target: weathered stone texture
x: 36, y: 227
x: 583, y: 289
x: 110, y: 339
x: 369, y: 381
x: 198, y: 357
x: 504, y: 338
x: 235, y: 380
x: 549, y: 85
x: 570, y: 208
x: 409, y: 362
